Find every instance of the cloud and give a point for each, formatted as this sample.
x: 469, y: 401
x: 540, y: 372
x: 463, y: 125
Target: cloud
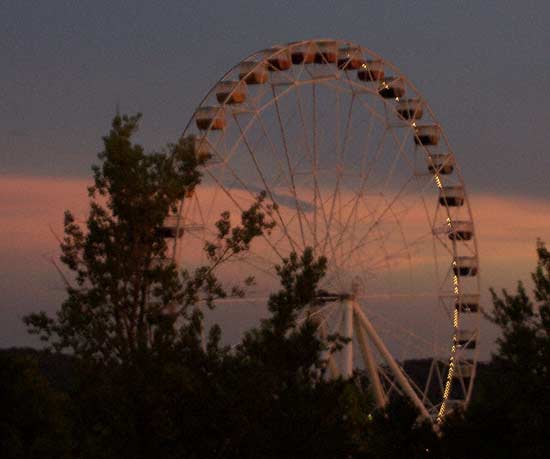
x: 506, y: 226
x: 32, y: 207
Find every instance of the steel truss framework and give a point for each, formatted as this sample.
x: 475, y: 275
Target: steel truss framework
x: 360, y: 170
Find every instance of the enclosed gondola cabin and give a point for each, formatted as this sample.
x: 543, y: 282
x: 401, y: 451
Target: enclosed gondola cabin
x: 278, y: 59
x: 466, y: 339
x: 451, y: 196
x: 202, y: 149
x: 467, y: 303
x: 410, y: 109
x: 253, y: 72
x: 427, y: 135
x: 465, y: 266
x: 302, y: 54
x: 391, y: 88
x: 371, y: 71
x: 231, y: 92
x: 326, y: 52
x: 172, y: 228
x: 461, y: 231
x: 350, y: 58
x: 210, y: 118
x: 441, y: 163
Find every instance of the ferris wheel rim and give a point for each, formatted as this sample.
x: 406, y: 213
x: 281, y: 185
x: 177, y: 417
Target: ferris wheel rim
x: 400, y: 75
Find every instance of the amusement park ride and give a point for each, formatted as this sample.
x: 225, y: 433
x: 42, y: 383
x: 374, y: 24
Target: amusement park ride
x: 358, y: 168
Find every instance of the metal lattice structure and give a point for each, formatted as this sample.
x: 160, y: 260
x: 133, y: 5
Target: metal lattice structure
x: 361, y: 171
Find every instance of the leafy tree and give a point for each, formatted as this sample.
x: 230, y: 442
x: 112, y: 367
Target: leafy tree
x: 131, y: 320
x: 127, y: 296
x: 398, y: 432
x: 509, y: 416
x: 34, y: 419
x: 271, y: 399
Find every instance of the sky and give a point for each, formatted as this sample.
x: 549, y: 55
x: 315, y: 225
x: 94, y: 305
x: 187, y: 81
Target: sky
x: 482, y: 66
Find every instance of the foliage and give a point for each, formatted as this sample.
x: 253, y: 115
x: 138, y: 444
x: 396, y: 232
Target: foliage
x: 142, y: 385
x: 398, y: 432
x: 128, y: 297
x: 270, y: 398
x: 509, y: 414
x: 34, y: 419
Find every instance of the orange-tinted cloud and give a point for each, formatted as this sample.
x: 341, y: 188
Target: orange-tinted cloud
x: 32, y: 207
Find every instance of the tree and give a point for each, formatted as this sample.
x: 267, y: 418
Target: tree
x: 34, y: 419
x: 130, y: 319
x: 399, y: 431
x: 127, y: 296
x: 508, y: 417
x: 271, y: 399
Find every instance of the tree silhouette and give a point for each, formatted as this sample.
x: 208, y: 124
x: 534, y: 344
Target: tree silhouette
x: 127, y: 296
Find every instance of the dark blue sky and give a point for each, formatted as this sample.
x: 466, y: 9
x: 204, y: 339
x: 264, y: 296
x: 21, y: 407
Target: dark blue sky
x: 483, y: 66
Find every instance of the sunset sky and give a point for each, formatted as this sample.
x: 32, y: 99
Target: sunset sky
x: 483, y: 67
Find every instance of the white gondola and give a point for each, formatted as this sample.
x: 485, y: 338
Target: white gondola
x: 392, y: 87
x: 326, y: 52
x: 410, y: 109
x: 231, y: 92
x: 461, y: 231
x: 202, y: 148
x: 253, y: 72
x: 442, y: 163
x: 452, y: 196
x: 171, y: 228
x: 468, y: 303
x: 427, y: 135
x: 465, y: 266
x: 466, y: 339
x: 278, y: 58
x: 350, y: 58
x: 302, y: 54
x: 371, y: 71
x: 210, y: 118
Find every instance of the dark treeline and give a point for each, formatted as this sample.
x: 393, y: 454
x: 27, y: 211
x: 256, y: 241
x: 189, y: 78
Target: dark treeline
x: 126, y: 373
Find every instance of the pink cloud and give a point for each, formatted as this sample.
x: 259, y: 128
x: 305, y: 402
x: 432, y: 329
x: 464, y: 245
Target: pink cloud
x: 32, y: 207
x: 506, y: 226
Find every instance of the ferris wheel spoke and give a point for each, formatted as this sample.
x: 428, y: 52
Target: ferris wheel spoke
x: 363, y: 185
x: 290, y: 171
x: 314, y: 166
x: 340, y: 166
x: 362, y: 241
x: 269, y: 192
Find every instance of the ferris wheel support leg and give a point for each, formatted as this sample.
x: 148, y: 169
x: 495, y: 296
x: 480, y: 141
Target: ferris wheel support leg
x: 348, y: 333
x: 394, y: 367
x: 371, y: 366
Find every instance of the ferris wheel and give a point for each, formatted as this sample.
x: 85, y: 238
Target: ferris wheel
x: 360, y: 170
